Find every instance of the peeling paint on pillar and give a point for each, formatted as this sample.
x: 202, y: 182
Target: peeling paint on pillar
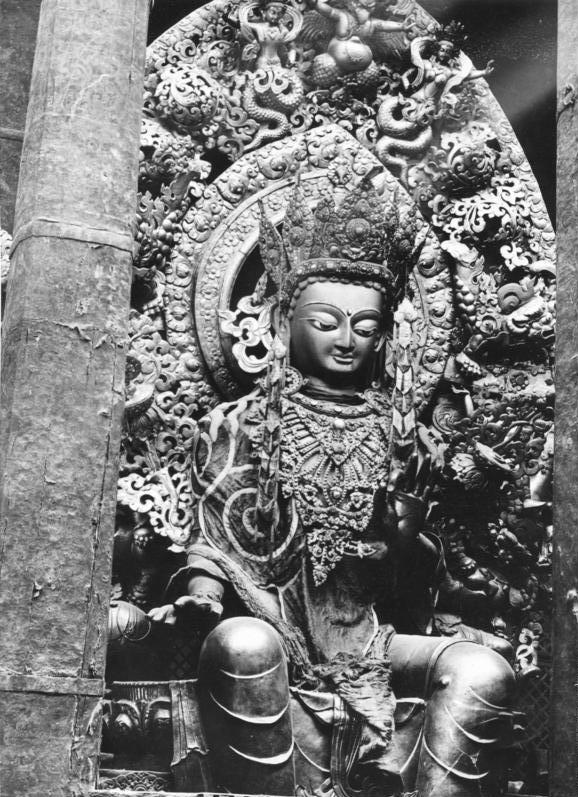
x: 64, y: 342
x: 564, y: 769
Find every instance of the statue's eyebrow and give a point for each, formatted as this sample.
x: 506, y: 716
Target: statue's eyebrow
x: 326, y: 305
x: 370, y: 311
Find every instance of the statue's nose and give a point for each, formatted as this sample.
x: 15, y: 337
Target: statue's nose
x: 345, y: 338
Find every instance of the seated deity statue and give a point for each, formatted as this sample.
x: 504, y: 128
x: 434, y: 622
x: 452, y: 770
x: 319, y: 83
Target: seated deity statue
x: 311, y: 562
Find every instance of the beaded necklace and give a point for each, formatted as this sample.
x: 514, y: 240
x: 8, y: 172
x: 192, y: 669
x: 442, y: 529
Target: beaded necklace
x: 333, y: 458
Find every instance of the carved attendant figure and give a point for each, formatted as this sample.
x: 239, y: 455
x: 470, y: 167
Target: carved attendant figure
x: 274, y: 33
x: 445, y: 69
x: 348, y: 50
x: 306, y: 525
x: 274, y: 90
x: 439, y: 71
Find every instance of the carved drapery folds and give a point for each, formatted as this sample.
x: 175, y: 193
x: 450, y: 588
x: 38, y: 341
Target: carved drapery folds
x: 237, y: 105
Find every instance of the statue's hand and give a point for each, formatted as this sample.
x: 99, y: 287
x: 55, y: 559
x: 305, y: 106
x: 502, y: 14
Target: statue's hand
x: 409, y: 492
x: 164, y: 614
x: 200, y: 605
x: 199, y: 610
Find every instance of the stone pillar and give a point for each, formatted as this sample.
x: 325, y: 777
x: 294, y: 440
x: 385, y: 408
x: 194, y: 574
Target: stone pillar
x: 564, y: 766
x: 64, y: 342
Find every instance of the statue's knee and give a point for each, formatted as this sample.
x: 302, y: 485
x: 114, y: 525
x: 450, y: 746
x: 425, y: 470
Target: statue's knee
x: 473, y: 672
x: 471, y: 704
x: 243, y: 642
x: 243, y: 665
x: 244, y: 697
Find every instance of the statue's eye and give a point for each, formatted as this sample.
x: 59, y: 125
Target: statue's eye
x: 323, y: 325
x: 365, y: 331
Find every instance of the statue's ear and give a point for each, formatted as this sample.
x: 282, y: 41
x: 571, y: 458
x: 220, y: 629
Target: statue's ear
x: 279, y: 323
x: 380, y: 342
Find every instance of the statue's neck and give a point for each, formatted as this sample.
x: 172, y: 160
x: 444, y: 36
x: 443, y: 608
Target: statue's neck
x: 315, y: 388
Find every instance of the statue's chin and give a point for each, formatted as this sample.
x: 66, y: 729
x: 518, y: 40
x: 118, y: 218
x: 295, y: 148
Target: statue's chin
x: 338, y: 380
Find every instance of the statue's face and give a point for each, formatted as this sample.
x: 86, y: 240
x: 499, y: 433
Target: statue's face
x: 336, y: 330
x: 273, y: 12
x: 143, y: 537
x: 445, y: 51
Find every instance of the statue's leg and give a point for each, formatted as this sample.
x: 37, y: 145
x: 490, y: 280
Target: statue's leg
x: 469, y: 691
x: 243, y: 692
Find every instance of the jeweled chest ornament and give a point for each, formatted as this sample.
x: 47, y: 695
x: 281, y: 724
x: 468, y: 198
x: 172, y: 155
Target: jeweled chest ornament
x: 332, y: 458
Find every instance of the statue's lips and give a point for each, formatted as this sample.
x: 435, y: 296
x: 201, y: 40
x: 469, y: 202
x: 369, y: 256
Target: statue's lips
x: 343, y: 359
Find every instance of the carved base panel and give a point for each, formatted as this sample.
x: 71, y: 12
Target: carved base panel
x: 140, y: 793
x: 138, y: 781
x: 145, y: 792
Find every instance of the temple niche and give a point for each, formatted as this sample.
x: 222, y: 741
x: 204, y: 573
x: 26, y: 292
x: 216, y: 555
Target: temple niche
x: 331, y: 570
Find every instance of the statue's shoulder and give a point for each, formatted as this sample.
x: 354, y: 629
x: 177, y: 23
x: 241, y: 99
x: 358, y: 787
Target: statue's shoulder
x: 226, y: 436
x: 232, y: 417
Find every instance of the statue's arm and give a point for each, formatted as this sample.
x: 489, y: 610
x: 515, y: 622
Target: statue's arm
x: 387, y: 26
x: 326, y: 9
x: 204, y: 596
x: 340, y: 17
x: 474, y: 74
x: 249, y: 29
x: 409, y: 492
x: 466, y: 72
x: 416, y: 51
x: 202, y: 602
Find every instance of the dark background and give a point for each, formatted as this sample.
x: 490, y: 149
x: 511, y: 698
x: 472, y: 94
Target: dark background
x: 520, y: 35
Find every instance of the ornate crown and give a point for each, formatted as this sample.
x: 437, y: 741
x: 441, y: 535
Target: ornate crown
x: 362, y: 238
x: 262, y: 4
x: 454, y: 32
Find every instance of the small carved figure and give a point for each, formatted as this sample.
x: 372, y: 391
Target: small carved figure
x: 273, y: 25
x: 348, y: 50
x: 275, y: 89
x: 427, y: 89
x: 142, y: 564
x: 440, y: 72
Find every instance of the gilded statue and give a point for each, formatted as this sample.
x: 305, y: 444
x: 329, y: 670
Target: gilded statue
x: 323, y: 673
